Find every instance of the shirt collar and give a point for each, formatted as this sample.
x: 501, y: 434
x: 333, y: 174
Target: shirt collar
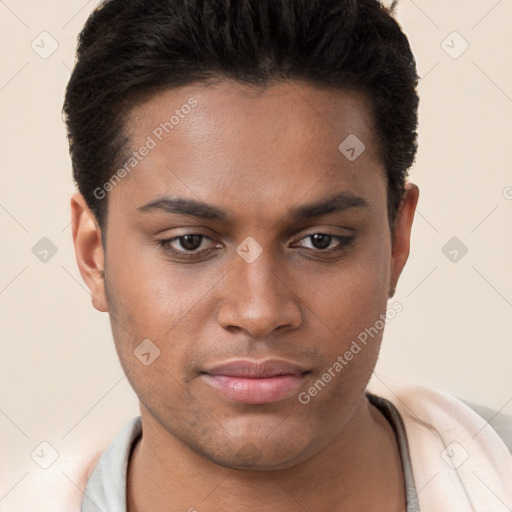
x: 106, y: 487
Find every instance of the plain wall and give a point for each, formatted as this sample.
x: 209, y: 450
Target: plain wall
x: 59, y: 374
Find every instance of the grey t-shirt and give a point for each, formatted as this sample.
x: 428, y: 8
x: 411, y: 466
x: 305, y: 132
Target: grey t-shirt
x: 106, y: 487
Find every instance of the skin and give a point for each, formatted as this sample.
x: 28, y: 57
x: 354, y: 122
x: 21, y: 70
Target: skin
x: 256, y: 154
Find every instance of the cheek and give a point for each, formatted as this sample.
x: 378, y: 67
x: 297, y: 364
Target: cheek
x: 152, y: 296
x: 353, y: 313
x: 351, y: 297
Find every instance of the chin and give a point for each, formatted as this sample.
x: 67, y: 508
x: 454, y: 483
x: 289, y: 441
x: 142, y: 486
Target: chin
x: 257, y: 454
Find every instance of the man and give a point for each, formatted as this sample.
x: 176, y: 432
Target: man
x: 243, y: 216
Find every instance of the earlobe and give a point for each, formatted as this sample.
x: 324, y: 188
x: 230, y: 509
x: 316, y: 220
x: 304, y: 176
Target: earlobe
x: 88, y: 250
x: 402, y: 235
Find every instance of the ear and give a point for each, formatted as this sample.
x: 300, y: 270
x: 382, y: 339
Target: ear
x: 88, y: 250
x: 402, y: 234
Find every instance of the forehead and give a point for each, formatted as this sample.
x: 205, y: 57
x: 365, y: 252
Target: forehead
x: 238, y: 144
x: 288, y: 111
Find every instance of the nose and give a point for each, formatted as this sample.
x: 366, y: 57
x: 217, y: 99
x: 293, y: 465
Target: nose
x: 257, y: 298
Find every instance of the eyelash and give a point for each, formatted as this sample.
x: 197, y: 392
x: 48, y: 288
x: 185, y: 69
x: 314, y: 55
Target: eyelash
x: 343, y: 243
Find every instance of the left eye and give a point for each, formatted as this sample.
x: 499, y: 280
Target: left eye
x: 322, y: 241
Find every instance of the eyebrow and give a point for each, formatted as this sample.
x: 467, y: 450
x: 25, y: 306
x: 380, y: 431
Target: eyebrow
x: 184, y: 206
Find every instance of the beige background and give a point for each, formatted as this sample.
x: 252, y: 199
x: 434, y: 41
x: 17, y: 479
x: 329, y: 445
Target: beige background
x: 60, y: 379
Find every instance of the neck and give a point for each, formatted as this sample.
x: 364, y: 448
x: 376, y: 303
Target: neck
x: 358, y: 470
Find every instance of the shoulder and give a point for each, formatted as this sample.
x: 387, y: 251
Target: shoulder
x: 59, y: 488
x: 501, y: 423
x: 436, y: 411
x: 458, y: 451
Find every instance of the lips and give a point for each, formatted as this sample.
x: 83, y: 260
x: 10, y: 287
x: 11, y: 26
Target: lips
x: 256, y: 369
x: 256, y: 382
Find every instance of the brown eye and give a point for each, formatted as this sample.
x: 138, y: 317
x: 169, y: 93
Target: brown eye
x: 323, y: 241
x: 188, y: 245
x: 190, y: 242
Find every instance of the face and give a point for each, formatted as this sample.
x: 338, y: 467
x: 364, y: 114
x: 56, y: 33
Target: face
x: 245, y: 235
